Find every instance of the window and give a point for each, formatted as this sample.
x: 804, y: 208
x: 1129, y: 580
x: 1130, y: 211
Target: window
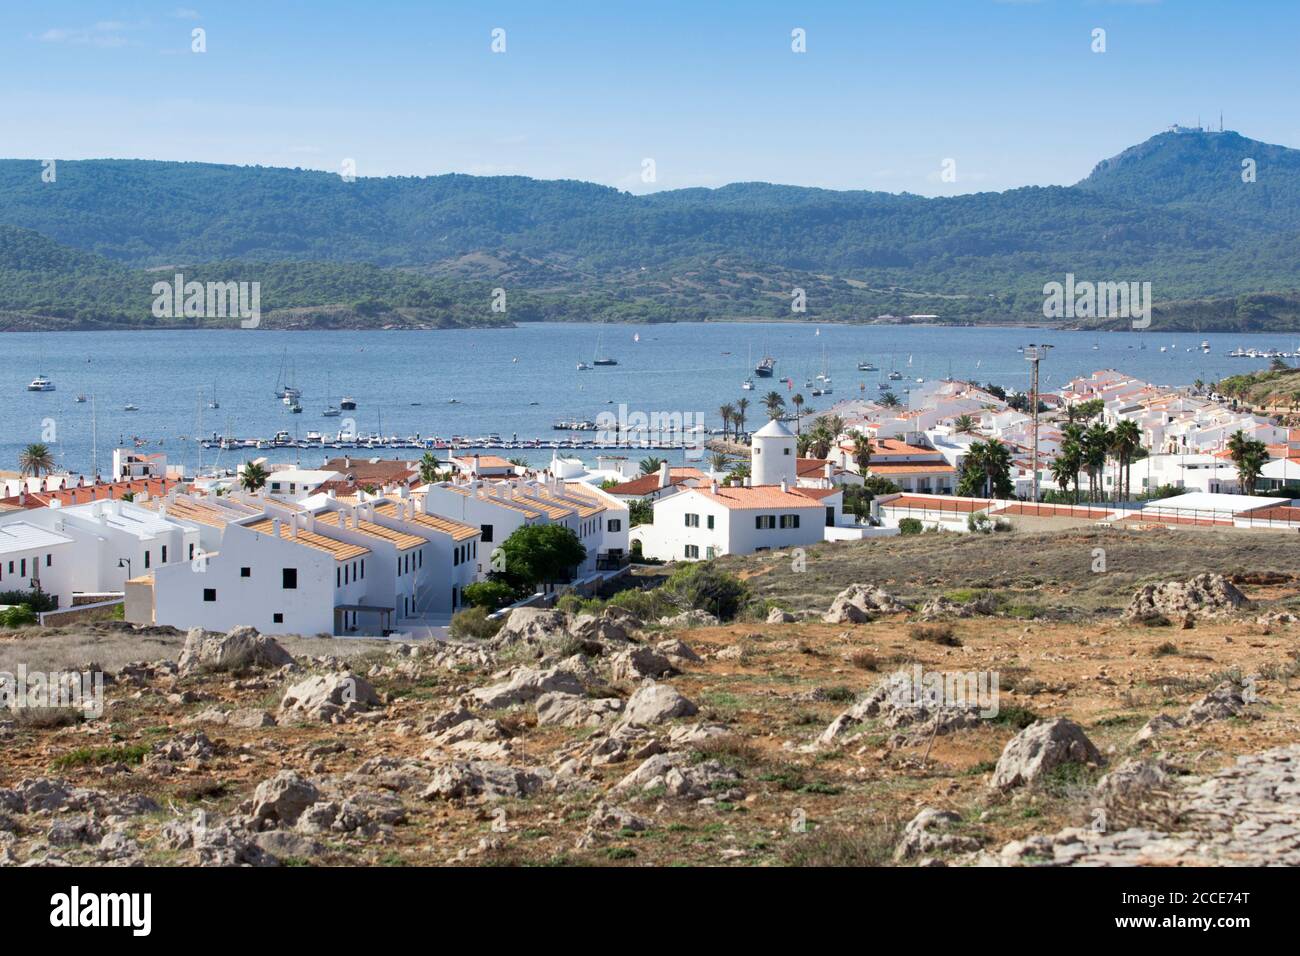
x: 785, y: 451
x: 764, y: 522
x: 615, y: 524
x: 338, y: 577
x: 23, y: 566
x: 277, y: 618
x: 486, y: 531
x: 164, y: 554
x: 289, y: 579
x: 209, y: 595
x: 710, y: 519
x: 830, y: 517
x: 692, y: 551
x: 419, y: 558
x: 146, y: 559
x: 245, y: 572
x: 345, y: 574
x: 789, y: 521
x: 710, y: 552
x: 49, y: 559
x: 692, y: 521
x: 363, y: 569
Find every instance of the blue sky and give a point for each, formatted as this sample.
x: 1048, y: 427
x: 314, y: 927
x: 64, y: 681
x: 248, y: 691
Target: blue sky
x: 1011, y: 91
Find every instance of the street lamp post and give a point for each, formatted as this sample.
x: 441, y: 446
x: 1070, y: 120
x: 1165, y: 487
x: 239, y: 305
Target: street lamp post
x: 1033, y: 355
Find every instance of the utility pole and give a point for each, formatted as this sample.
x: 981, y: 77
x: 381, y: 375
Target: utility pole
x: 1033, y: 355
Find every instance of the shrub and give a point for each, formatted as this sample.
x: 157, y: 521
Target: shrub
x: 36, y: 600
x: 20, y: 616
x: 935, y: 634
x: 705, y: 587
x: 909, y: 526
x: 491, y: 595
x: 473, y: 622
x: 647, y: 605
x: 977, y: 522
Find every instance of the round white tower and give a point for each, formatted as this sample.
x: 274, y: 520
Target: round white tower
x: 772, y: 455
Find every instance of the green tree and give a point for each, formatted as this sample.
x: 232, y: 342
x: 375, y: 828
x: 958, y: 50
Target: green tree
x: 651, y: 465
x: 429, y: 468
x: 253, y: 477
x: 728, y: 415
x: 797, y: 401
x: 861, y: 451
x: 986, y: 471
x: 1250, y: 456
x: 541, y: 554
x: 36, y: 460
x: 775, y: 404
x: 742, y: 405
x: 964, y: 425
x: 1125, y: 443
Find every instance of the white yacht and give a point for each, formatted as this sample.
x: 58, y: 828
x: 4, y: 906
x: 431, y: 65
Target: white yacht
x: 40, y: 384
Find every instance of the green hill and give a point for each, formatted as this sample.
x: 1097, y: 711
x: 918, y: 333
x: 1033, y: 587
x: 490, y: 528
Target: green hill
x: 1172, y: 211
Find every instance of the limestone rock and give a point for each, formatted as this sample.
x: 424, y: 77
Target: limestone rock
x: 1039, y: 749
x: 330, y: 697
x: 241, y: 648
x: 654, y: 703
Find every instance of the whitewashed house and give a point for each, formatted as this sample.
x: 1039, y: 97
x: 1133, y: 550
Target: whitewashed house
x: 32, y: 556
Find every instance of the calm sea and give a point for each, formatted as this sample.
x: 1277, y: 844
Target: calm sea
x: 515, y: 382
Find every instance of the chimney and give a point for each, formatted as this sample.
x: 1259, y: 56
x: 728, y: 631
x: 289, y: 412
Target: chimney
x: 293, y: 527
x: 829, y: 471
x: 713, y: 486
x: 356, y: 519
x: 663, y: 475
x: 404, y: 491
x: 785, y: 485
x: 347, y: 462
x: 474, y: 466
x: 275, y: 527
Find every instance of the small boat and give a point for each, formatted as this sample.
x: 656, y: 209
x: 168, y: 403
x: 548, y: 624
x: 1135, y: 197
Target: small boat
x: 584, y: 367
x: 766, y: 367
x: 80, y: 399
x: 40, y: 384
x: 331, y: 412
x: 866, y: 367
x: 602, y: 359
x: 895, y: 376
x: 348, y: 404
x: 747, y: 384
x: 295, y: 408
x: 128, y: 407
x: 214, y: 403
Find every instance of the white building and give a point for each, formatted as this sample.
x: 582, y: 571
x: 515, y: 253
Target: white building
x: 33, y: 557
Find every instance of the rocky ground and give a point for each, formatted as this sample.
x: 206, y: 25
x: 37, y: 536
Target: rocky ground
x: 1160, y: 732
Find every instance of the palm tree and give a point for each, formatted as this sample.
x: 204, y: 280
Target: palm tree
x: 797, y: 401
x: 1125, y: 442
x: 1096, y: 451
x: 803, y: 444
x: 253, y: 478
x: 964, y: 425
x: 728, y: 413
x: 775, y: 404
x: 1064, y: 472
x: 36, y: 460
x: 429, y: 468
x: 986, y: 469
x: 820, y: 438
x: 861, y: 451
x: 651, y: 465
x: 889, y: 400
x: 718, y: 462
x: 1250, y: 456
x: 742, y: 404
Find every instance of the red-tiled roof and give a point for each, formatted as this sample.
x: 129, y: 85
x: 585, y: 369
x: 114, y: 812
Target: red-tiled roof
x: 79, y: 496
x: 646, y: 485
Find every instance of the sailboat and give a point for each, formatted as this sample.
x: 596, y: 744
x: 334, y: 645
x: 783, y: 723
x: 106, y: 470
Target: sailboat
x: 214, y: 403
x: 330, y: 410
x: 602, y: 359
x: 894, y: 374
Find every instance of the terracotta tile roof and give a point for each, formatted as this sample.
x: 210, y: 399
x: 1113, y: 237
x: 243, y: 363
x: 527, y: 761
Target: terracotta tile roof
x: 817, y: 494
x: 484, y: 461
x: 112, y: 490
x: 341, y: 550
x: 551, y: 508
x: 814, y: 467
x: 403, y: 541
x: 366, y: 472
x: 458, y: 530
x: 182, y: 509
x: 586, y: 507
x: 910, y: 468
x: 648, y: 485
x: 503, y: 502
x: 755, y: 497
